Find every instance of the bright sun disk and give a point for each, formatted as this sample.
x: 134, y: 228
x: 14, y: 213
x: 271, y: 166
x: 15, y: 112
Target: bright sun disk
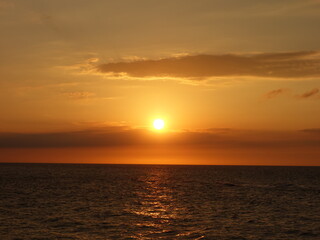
x: 158, y: 124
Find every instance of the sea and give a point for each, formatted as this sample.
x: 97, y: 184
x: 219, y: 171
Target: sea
x: 86, y: 201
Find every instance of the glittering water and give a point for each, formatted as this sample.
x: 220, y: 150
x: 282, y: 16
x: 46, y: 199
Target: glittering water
x: 53, y: 201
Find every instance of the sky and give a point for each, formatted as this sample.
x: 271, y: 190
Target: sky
x: 237, y: 82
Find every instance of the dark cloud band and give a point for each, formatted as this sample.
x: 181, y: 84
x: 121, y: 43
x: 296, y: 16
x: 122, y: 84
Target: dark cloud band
x: 123, y: 136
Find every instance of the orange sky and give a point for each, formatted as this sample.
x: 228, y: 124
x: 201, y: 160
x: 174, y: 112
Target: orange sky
x: 237, y: 82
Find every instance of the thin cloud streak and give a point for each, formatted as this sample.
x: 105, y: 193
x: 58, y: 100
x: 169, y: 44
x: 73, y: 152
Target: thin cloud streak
x: 79, y: 95
x: 275, y: 93
x: 309, y: 94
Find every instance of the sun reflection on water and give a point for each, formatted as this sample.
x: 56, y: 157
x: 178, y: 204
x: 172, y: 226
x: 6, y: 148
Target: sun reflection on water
x: 156, y: 206
x: 160, y: 206
x: 156, y: 199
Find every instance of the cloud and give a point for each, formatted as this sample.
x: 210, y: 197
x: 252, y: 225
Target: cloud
x: 78, y: 95
x: 275, y: 93
x: 290, y: 65
x: 123, y: 136
x: 309, y: 94
x: 312, y: 131
x: 95, y: 137
x: 84, y: 95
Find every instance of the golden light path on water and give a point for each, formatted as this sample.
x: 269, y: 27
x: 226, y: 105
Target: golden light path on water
x: 159, y: 208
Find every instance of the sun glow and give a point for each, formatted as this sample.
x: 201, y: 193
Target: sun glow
x: 158, y: 124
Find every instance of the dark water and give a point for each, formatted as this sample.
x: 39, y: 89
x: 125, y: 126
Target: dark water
x: 48, y: 201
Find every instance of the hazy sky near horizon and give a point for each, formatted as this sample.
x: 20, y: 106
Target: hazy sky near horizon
x: 85, y: 66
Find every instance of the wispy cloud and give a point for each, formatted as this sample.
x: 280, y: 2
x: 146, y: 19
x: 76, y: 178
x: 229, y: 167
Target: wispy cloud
x: 78, y: 95
x: 310, y: 94
x: 275, y: 93
x: 85, y: 95
x: 290, y: 65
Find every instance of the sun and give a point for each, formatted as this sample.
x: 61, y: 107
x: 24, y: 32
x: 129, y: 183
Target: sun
x: 158, y: 124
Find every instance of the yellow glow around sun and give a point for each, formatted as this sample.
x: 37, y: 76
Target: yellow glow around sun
x: 158, y: 124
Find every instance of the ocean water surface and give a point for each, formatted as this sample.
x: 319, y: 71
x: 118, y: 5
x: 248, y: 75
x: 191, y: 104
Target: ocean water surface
x: 70, y: 201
